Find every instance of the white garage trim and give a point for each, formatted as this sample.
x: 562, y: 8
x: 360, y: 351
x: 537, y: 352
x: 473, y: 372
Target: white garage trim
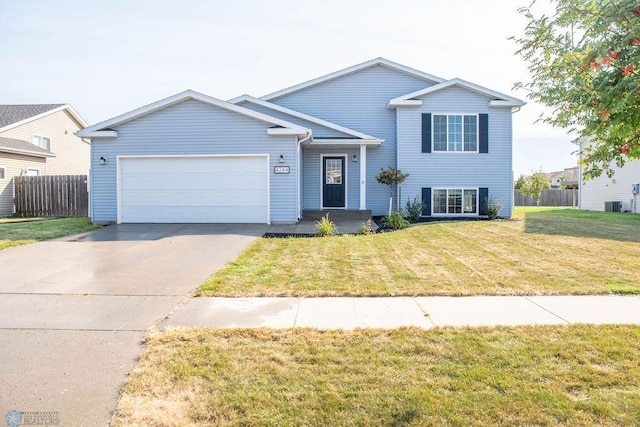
x: 187, y: 156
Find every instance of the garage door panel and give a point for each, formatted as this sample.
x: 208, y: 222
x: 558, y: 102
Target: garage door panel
x: 194, y: 189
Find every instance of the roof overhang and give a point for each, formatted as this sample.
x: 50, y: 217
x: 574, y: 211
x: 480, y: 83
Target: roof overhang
x: 356, y: 134
x: 104, y: 129
x: 26, y: 152
x: 72, y: 112
x: 497, y: 99
x: 340, y: 142
x: 373, y: 62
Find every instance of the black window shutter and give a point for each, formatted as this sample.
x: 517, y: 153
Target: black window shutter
x: 426, y: 199
x: 484, y: 133
x: 426, y: 132
x: 483, y: 195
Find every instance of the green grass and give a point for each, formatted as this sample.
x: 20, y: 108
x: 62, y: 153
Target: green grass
x: 578, y: 375
x: 540, y: 251
x: 22, y: 233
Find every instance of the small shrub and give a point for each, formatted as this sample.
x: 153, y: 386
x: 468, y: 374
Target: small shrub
x: 326, y: 227
x: 494, y: 206
x: 413, y: 209
x: 366, y: 228
x: 395, y: 221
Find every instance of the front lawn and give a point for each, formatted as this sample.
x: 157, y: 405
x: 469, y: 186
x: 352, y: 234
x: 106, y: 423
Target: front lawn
x: 21, y: 233
x: 545, y: 375
x: 557, y: 251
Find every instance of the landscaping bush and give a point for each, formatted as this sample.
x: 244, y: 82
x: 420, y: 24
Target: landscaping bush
x: 494, y: 206
x: 366, y: 227
x: 413, y: 209
x: 326, y: 227
x: 395, y: 221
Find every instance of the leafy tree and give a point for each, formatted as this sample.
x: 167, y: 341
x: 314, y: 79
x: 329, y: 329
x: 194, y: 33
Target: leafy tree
x: 532, y: 185
x: 389, y: 177
x: 584, y: 62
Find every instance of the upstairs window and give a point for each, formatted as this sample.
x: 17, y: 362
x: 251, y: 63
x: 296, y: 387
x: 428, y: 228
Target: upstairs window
x: 42, y: 142
x: 455, y: 132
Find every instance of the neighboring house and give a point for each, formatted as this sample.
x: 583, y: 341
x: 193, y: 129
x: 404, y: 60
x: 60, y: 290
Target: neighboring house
x: 555, y: 178
x: 618, y: 193
x: 39, y: 140
x: 314, y: 146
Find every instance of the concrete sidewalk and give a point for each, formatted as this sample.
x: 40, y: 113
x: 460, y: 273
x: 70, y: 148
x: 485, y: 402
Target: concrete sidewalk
x: 392, y: 312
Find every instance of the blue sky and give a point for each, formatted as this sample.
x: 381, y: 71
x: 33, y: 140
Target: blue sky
x: 109, y: 57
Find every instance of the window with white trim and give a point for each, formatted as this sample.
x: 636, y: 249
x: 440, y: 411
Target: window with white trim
x: 455, y: 201
x: 455, y: 132
x: 2, y: 173
x: 42, y: 142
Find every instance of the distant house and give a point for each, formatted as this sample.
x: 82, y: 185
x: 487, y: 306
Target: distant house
x: 618, y: 193
x: 555, y: 178
x: 39, y: 139
x: 315, y: 146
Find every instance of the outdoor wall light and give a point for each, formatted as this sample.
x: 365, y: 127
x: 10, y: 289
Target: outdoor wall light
x: 355, y: 158
x: 282, y: 159
x: 103, y: 161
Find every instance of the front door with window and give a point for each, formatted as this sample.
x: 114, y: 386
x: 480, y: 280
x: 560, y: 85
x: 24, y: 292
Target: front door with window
x: 333, y: 189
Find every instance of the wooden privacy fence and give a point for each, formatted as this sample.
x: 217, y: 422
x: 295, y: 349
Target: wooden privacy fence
x: 51, y: 195
x: 553, y: 197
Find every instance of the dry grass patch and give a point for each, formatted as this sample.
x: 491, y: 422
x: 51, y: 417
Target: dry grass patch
x: 24, y: 232
x: 540, y: 252
x: 551, y: 375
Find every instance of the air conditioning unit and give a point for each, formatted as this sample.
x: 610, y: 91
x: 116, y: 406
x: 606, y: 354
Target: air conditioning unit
x: 613, y: 206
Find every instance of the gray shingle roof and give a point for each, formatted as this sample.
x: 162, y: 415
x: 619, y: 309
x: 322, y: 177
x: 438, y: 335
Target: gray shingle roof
x: 17, y: 145
x: 10, y: 114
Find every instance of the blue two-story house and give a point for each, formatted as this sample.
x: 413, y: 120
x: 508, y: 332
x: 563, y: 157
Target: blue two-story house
x: 315, y: 146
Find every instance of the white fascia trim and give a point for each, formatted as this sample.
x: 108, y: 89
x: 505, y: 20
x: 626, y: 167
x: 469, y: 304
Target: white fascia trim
x: 287, y: 132
x: 312, y: 119
x: 98, y: 134
x: 184, y: 96
x: 353, y: 69
x: 401, y: 100
x: 26, y: 152
x: 67, y: 107
x: 354, y: 142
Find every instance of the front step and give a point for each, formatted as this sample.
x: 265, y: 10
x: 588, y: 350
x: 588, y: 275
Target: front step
x: 336, y: 214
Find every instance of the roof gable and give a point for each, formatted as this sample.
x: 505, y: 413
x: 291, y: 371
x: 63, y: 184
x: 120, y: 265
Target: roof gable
x: 12, y: 116
x: 497, y: 99
x: 354, y: 69
x: 103, y: 129
x: 345, y: 130
x: 18, y: 146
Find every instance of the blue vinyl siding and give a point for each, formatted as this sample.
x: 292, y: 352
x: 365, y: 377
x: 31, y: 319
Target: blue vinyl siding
x: 359, y: 101
x: 456, y: 170
x: 192, y: 127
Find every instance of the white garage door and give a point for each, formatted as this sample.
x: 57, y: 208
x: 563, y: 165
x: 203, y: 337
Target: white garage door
x: 194, y: 189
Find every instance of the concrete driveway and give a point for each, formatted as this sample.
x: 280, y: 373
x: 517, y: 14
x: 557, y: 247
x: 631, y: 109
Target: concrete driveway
x: 74, y: 311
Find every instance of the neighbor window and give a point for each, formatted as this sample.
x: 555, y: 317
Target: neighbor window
x: 42, y: 142
x: 455, y: 132
x: 455, y: 201
x: 1, y: 173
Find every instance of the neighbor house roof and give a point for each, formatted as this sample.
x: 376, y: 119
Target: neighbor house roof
x: 15, y: 115
x: 18, y: 146
x: 371, y: 63
x: 497, y: 99
x: 307, y: 117
x: 103, y: 129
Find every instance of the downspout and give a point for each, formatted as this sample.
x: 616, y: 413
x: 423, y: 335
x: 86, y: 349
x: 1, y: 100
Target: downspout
x: 298, y: 172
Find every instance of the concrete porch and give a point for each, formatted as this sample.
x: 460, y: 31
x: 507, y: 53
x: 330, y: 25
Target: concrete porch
x: 307, y: 227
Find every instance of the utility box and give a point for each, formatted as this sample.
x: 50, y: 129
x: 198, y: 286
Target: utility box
x: 636, y: 189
